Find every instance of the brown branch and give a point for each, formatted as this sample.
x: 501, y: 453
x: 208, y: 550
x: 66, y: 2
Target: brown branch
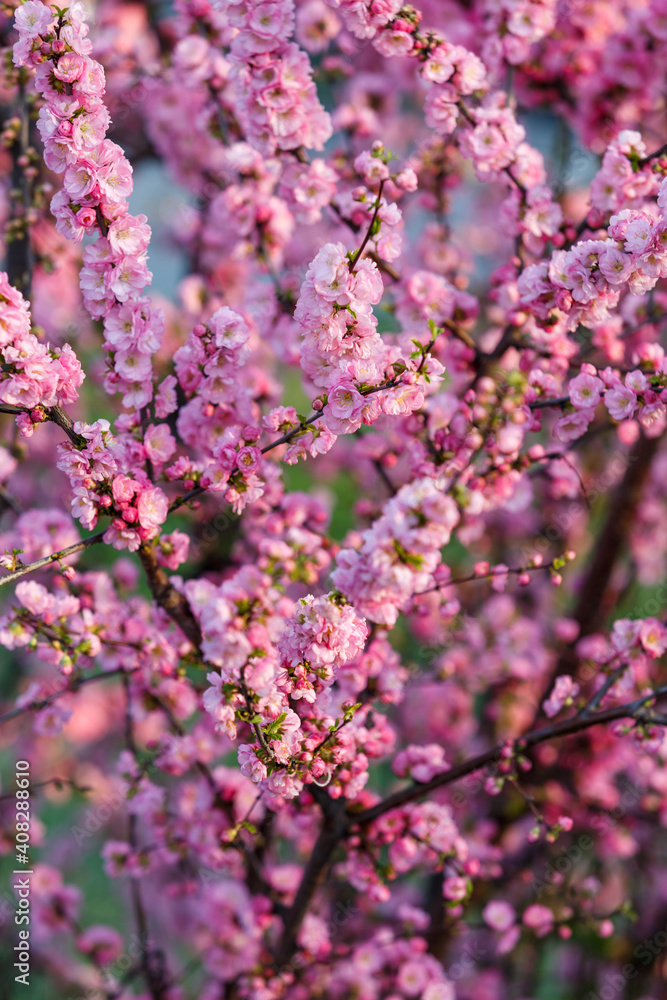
x: 634, y: 709
x: 151, y: 959
x: 35, y: 706
x: 610, y: 542
x: 590, y: 609
x: 540, y: 404
x: 460, y: 333
x: 597, y: 698
x: 167, y: 596
x: 56, y: 415
x: 652, y: 156
x: 19, y: 249
x: 356, y: 257
x: 334, y: 828
x: 54, y: 557
x: 338, y: 824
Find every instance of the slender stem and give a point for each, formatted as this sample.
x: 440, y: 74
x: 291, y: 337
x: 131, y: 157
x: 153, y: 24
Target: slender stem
x: 369, y: 232
x: 596, y: 700
x: 486, y: 576
x: 652, y: 156
x: 51, y: 781
x: 315, y: 416
x: 153, y: 974
x: 540, y: 404
x: 78, y: 682
x: 576, y: 724
x: 54, y: 557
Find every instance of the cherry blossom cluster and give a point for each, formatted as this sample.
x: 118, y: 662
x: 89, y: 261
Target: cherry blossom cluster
x: 398, y: 556
x: 207, y: 368
x: 513, y: 28
x: 97, y: 181
x: 638, y: 393
x: 97, y: 468
x: 275, y: 95
x: 583, y: 284
x: 274, y: 680
x: 342, y: 352
x: 35, y: 376
x: 302, y: 626
x: 417, y: 835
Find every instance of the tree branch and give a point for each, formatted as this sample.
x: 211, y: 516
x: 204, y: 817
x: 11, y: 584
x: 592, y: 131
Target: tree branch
x: 54, y: 557
x: 19, y: 249
x: 569, y: 727
x: 334, y: 828
x: 56, y: 415
x: 167, y: 596
x: 338, y: 824
x: 590, y: 608
x: 34, y: 706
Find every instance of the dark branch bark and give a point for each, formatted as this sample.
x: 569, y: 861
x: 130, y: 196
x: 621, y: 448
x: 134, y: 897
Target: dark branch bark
x: 569, y: 727
x: 151, y: 959
x: 19, y: 250
x: 337, y: 824
x: 591, y: 607
x: 334, y: 829
x: 589, y: 612
x: 54, y: 557
x: 167, y: 596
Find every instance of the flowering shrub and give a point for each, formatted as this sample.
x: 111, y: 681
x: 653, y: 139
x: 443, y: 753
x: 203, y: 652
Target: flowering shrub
x: 333, y: 625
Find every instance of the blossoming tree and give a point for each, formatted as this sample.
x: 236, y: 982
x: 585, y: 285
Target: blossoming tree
x: 295, y: 641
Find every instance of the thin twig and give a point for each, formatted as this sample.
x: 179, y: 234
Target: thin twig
x: 75, y: 684
x: 54, y: 557
x: 569, y: 727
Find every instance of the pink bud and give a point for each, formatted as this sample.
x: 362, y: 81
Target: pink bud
x: 86, y: 216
